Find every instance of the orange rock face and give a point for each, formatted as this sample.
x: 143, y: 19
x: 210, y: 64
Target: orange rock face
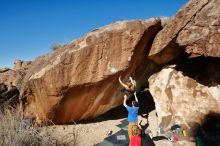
x: 80, y: 80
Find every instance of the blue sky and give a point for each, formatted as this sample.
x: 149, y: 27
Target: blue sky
x: 28, y: 28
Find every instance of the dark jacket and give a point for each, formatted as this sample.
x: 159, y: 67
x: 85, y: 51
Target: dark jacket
x: 146, y: 140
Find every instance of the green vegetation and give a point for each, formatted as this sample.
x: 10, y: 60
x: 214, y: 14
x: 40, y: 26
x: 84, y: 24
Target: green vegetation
x: 55, y: 47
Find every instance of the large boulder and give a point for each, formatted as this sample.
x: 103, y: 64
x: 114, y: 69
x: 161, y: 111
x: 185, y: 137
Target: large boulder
x: 181, y: 99
x: 195, y: 30
x: 187, y: 93
x: 80, y: 80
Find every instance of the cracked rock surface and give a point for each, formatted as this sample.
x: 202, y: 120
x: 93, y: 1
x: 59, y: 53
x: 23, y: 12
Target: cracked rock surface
x: 80, y: 80
x: 195, y: 29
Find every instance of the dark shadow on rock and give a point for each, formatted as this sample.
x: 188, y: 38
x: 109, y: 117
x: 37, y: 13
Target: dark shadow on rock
x: 146, y: 104
x: 207, y: 133
x: 205, y: 70
x: 9, y: 96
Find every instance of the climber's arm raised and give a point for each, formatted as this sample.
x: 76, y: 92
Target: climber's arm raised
x: 135, y: 96
x: 132, y: 81
x: 125, y: 99
x: 123, y: 84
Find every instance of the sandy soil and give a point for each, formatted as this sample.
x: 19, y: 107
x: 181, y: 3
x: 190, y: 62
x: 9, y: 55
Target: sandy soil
x: 89, y: 134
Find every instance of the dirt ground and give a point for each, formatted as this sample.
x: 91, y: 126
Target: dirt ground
x: 89, y: 134
x: 92, y: 132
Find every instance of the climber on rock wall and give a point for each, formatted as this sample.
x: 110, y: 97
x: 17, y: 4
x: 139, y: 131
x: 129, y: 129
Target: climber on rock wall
x: 129, y: 87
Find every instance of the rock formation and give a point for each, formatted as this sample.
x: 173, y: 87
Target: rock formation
x: 80, y: 80
x: 195, y: 29
x: 181, y: 99
x: 16, y: 74
x: 191, y: 90
x: 2, y: 70
x: 21, y: 65
x: 11, y: 80
x: 8, y: 95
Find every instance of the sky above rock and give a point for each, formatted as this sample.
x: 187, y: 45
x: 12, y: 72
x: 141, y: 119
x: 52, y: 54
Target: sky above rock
x: 29, y: 28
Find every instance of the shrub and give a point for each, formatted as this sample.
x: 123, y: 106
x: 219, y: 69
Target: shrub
x: 55, y: 47
x: 14, y: 130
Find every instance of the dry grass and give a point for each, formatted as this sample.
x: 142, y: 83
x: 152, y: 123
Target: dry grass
x: 15, y: 131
